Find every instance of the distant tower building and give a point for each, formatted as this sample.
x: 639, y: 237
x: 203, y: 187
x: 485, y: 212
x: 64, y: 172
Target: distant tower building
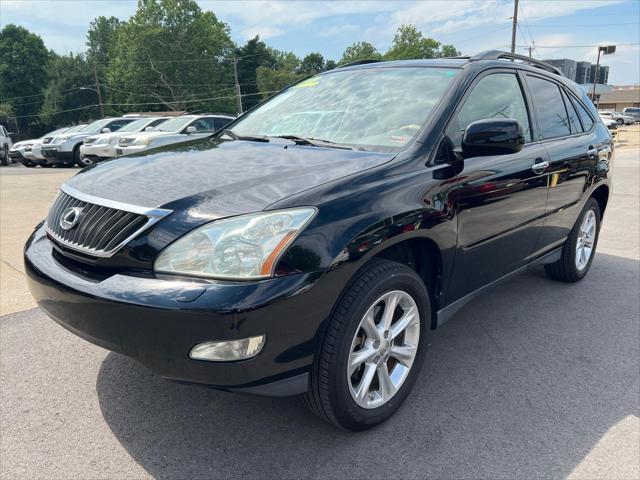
x: 580, y: 72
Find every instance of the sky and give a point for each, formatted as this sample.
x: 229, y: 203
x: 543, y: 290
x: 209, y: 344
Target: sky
x: 558, y: 29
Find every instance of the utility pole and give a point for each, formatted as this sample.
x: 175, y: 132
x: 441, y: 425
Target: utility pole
x: 606, y: 50
x: 514, y: 26
x: 95, y: 77
x: 238, y: 91
x: 530, y: 51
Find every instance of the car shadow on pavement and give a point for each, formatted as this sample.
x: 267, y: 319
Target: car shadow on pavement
x: 522, y: 383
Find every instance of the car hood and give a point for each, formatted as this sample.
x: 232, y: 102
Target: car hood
x: 222, y: 177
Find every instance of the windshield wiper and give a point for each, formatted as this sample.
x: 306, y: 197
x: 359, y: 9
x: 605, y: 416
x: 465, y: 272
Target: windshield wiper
x: 316, y: 142
x: 249, y: 138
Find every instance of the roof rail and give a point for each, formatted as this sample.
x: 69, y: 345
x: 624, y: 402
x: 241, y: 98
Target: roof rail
x: 498, y: 55
x: 358, y: 62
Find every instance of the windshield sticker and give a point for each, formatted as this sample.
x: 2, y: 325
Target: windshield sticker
x: 310, y: 82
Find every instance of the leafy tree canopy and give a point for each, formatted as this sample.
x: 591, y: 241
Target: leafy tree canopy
x: 360, y: 51
x: 23, y: 71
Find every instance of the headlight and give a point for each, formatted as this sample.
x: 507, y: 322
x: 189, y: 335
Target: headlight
x: 142, y: 141
x: 243, y: 247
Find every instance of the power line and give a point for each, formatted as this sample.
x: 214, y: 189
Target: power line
x: 585, y: 25
x: 578, y: 46
x: 145, y: 103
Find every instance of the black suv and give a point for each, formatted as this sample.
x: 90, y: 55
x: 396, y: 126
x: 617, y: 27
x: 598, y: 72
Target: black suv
x: 311, y: 247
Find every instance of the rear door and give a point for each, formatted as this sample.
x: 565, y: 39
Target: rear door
x: 501, y: 198
x: 568, y: 134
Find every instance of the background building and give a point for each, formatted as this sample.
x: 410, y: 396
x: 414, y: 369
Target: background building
x: 580, y: 72
x: 620, y: 97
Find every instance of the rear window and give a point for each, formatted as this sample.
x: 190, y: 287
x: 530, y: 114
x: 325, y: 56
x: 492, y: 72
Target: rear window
x: 554, y: 121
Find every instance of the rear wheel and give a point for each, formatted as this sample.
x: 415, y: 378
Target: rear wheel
x: 579, y: 249
x: 373, y: 348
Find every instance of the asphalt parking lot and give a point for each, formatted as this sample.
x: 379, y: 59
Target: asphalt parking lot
x: 534, y: 379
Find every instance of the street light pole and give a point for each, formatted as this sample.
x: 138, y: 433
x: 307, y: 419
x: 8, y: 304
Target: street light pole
x: 95, y: 76
x: 238, y: 91
x: 606, y: 50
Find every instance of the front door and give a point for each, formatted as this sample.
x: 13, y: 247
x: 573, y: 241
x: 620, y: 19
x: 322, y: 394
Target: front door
x: 500, y: 199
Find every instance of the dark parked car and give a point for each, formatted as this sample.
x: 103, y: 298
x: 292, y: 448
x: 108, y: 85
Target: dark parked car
x: 312, y: 246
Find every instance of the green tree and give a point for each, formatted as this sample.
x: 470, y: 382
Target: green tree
x: 101, y: 39
x: 449, y: 51
x: 409, y: 42
x: 253, y: 55
x: 330, y: 65
x: 23, y: 72
x: 284, y: 72
x: 65, y: 98
x: 173, y: 54
x: 311, y: 64
x: 359, y: 51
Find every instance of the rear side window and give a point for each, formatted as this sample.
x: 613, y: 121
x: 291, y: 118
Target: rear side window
x: 554, y: 121
x: 587, y: 121
x: 221, y: 122
x: 495, y: 96
x: 574, y: 121
x: 118, y: 124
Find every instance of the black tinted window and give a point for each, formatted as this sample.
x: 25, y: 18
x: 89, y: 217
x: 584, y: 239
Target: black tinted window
x: 221, y: 122
x: 587, y: 121
x: 204, y: 125
x: 118, y: 124
x: 494, y: 96
x: 549, y: 107
x: 573, y: 115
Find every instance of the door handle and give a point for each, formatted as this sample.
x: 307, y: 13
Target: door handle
x: 540, y: 167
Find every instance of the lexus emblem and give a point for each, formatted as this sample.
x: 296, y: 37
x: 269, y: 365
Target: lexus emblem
x: 70, y: 218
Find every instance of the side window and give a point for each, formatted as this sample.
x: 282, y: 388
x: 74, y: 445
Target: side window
x: 495, y: 96
x: 550, y: 109
x: 118, y: 124
x: 573, y: 115
x: 155, y: 123
x: 204, y: 125
x: 587, y: 121
x: 221, y: 123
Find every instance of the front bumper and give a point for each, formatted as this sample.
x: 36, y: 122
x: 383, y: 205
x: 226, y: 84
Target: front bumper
x: 158, y: 320
x: 16, y: 155
x: 54, y: 155
x: 98, y: 152
x: 122, y: 150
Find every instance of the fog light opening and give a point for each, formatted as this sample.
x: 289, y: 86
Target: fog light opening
x: 228, y: 350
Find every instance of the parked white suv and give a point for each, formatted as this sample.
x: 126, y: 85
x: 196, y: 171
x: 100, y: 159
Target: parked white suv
x: 5, y: 145
x: 177, y: 130
x: 64, y: 149
x: 22, y: 151
x: 103, y: 146
x: 34, y: 154
x: 617, y: 117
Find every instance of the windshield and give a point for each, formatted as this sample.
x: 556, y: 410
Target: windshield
x: 55, y: 132
x: 136, y: 125
x: 375, y: 108
x: 96, y: 126
x: 175, y: 124
x: 77, y: 128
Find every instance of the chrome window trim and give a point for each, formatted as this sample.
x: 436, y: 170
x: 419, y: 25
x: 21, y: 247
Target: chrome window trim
x: 154, y: 215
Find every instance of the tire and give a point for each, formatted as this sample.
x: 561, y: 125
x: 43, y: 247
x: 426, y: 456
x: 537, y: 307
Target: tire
x: 46, y: 165
x: 332, y: 393
x: 569, y: 269
x: 5, y: 155
x: 80, y: 160
x: 620, y: 121
x: 28, y: 163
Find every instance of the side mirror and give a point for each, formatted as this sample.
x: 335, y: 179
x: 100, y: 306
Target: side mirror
x: 105, y: 130
x: 148, y: 129
x: 191, y: 129
x: 492, y: 136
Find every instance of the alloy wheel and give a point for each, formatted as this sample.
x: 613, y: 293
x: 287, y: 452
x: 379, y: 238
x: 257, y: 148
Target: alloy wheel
x: 586, y: 239
x: 383, y: 349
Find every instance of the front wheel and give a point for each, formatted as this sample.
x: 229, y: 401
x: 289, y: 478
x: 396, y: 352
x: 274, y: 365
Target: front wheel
x: 28, y: 163
x: 5, y: 155
x: 580, y: 247
x: 620, y: 121
x: 373, y: 348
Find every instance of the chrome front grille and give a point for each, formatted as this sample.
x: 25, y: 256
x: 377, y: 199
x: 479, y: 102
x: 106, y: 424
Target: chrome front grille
x: 102, y: 227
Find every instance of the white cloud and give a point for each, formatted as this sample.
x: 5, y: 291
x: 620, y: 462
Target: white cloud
x: 339, y: 30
